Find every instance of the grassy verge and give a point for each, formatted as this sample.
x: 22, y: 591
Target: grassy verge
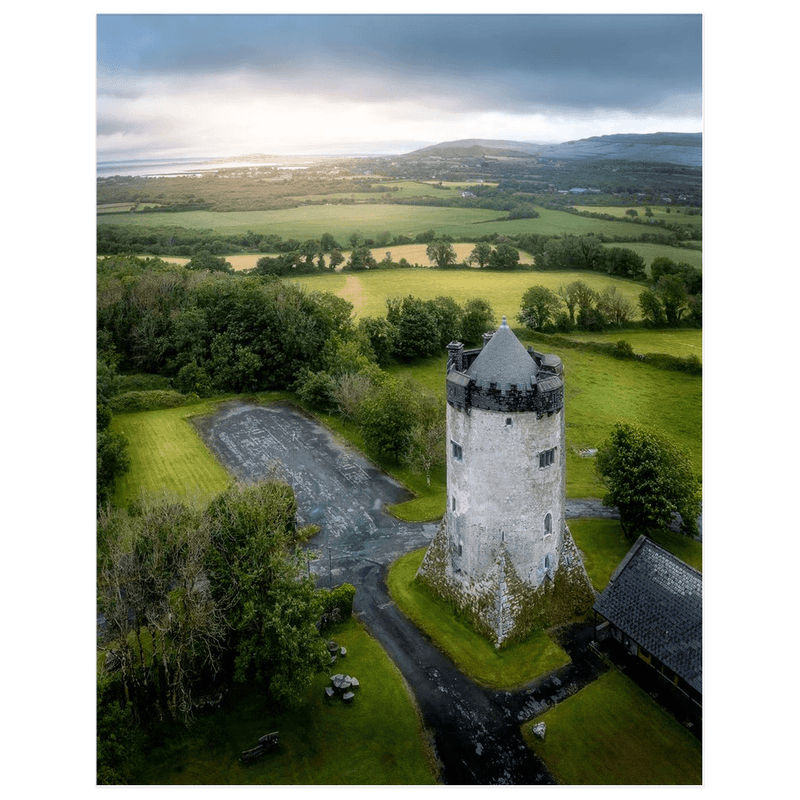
x: 603, y: 546
x: 611, y: 732
x: 378, y: 739
x: 475, y: 656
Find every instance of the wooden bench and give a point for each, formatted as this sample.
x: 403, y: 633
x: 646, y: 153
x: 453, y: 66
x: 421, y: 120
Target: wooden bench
x: 265, y: 743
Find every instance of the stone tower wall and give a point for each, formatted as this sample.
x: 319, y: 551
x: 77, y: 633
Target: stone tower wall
x: 499, y: 494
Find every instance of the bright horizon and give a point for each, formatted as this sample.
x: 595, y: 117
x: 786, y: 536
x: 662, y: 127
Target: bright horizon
x: 184, y: 86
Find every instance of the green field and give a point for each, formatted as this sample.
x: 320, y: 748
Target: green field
x: 168, y: 456
x: 600, y: 391
x: 307, y: 222
x: 474, y: 655
x: 372, y: 219
x: 368, y: 291
x: 681, y: 342
x: 377, y: 740
x: 648, y: 251
x: 676, y: 213
x: 612, y: 733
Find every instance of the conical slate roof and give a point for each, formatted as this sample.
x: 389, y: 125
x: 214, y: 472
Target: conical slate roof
x: 504, y: 361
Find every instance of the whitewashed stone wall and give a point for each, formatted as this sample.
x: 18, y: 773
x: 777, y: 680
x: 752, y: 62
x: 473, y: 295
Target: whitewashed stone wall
x: 498, y: 493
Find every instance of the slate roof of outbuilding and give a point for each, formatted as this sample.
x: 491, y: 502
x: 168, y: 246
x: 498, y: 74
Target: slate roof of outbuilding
x: 657, y: 600
x: 504, y: 361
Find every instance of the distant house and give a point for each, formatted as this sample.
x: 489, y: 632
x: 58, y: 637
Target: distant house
x: 578, y: 191
x: 653, y: 607
x: 467, y: 194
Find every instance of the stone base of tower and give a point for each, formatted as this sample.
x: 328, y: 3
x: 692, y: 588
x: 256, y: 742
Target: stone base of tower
x: 499, y: 604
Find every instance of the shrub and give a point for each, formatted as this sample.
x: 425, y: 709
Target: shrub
x: 338, y: 605
x: 128, y: 402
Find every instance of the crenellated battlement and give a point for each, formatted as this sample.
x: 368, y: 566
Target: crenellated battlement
x: 542, y: 393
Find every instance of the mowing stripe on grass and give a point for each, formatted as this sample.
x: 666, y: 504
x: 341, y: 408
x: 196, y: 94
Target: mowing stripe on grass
x: 168, y: 456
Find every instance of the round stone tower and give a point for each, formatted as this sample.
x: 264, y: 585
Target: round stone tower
x: 503, y: 544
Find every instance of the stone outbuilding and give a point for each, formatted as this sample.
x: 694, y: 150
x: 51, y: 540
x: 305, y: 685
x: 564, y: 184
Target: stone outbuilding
x: 653, y: 607
x: 503, y: 553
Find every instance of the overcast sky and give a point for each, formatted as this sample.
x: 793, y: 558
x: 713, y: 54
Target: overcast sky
x: 186, y: 85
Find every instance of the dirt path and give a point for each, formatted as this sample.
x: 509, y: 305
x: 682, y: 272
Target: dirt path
x: 476, y: 731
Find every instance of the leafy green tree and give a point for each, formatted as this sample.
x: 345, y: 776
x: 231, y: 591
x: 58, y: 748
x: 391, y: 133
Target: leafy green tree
x: 427, y: 446
x: 539, y: 306
x: 387, y: 419
x: 477, y: 319
x: 671, y: 290
x: 504, y: 256
x: 649, y: 479
x: 361, y: 258
x: 442, y: 254
x: 162, y: 629
x: 204, y: 260
x: 258, y: 573
x: 651, y: 308
x: 328, y: 243
x: 623, y: 261
x: 480, y: 254
x: 615, y: 308
x: 113, y: 459
x: 632, y: 212
x: 417, y: 327
x: 382, y: 337
x: 336, y: 259
x: 448, y: 315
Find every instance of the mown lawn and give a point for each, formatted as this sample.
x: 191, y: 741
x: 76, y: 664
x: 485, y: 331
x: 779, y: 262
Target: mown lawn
x: 612, y: 733
x: 378, y: 739
x: 168, y: 456
x: 474, y: 655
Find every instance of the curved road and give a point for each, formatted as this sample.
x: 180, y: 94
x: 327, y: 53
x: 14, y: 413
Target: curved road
x: 476, y: 731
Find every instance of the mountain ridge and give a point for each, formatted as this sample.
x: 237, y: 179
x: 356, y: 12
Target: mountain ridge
x: 664, y: 146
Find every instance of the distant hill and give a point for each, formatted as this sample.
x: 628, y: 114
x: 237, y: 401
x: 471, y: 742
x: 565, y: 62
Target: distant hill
x: 671, y: 148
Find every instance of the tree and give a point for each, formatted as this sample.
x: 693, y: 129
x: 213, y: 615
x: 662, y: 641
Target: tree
x: 360, y: 258
x: 427, y: 449
x: 504, y: 256
x: 539, y: 305
x: 162, y: 629
x: 258, y: 573
x: 448, y: 315
x: 381, y: 335
x: 418, y: 334
x: 113, y: 460
x: 441, y: 253
x: 336, y: 258
x: 671, y: 290
x: 480, y: 254
x: 477, y: 319
x: 652, y: 310
x: 205, y: 260
x: 649, y: 480
x: 615, y: 308
x: 387, y: 419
